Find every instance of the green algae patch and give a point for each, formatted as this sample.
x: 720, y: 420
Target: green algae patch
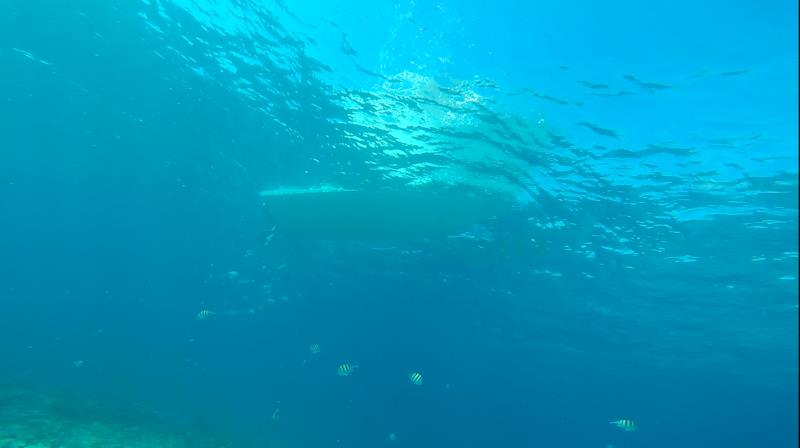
x: 34, y: 420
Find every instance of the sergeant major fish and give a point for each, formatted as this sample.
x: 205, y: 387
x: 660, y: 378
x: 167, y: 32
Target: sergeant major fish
x: 625, y: 424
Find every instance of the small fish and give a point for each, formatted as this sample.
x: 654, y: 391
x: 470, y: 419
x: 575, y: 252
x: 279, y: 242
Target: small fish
x: 416, y: 378
x: 598, y: 130
x: 625, y: 424
x: 655, y: 86
x: 620, y: 93
x: 392, y: 437
x: 205, y: 314
x: 735, y: 72
x: 699, y: 74
x: 345, y: 369
x: 593, y: 85
x: 267, y: 235
x: 651, y: 86
x: 77, y: 364
x: 314, y: 349
x: 346, y: 47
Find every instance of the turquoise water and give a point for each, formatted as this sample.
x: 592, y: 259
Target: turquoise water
x: 559, y: 215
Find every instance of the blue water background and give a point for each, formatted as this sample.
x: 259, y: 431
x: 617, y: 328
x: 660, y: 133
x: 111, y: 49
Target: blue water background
x: 650, y: 274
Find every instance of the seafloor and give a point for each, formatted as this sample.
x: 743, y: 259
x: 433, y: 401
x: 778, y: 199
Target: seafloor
x: 39, y: 420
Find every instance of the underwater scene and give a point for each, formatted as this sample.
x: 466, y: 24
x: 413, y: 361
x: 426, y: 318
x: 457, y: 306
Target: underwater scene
x: 398, y: 223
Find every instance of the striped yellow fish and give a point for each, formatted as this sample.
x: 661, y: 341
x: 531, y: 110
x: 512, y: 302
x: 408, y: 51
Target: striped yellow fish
x: 416, y: 378
x: 345, y: 369
x: 625, y: 424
